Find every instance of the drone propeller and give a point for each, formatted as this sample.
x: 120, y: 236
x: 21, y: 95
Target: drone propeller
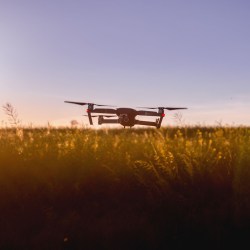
x: 168, y: 108
x: 87, y: 103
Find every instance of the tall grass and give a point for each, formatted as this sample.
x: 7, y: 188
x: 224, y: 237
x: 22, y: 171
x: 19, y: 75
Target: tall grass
x: 118, y: 189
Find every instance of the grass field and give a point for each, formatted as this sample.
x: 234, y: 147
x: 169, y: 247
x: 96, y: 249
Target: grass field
x: 124, y: 189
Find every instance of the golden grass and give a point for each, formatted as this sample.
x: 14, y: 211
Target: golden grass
x: 103, y: 188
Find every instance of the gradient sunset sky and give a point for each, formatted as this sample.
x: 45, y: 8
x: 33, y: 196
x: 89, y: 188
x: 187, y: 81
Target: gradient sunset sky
x: 129, y: 53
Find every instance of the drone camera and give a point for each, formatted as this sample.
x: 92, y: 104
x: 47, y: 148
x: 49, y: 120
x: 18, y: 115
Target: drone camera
x: 123, y: 118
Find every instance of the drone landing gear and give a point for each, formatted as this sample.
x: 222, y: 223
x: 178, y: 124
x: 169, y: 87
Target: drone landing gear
x: 159, y: 121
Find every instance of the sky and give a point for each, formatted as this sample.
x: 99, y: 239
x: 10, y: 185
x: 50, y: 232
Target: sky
x: 187, y: 53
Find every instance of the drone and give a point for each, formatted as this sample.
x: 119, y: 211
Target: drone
x: 124, y: 116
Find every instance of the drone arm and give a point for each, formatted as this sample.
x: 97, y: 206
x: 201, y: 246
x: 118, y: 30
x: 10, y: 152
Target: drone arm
x: 110, y: 121
x: 147, y: 113
x: 147, y: 123
x: 104, y: 111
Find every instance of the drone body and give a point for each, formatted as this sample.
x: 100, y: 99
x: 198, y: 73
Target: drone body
x: 124, y: 116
